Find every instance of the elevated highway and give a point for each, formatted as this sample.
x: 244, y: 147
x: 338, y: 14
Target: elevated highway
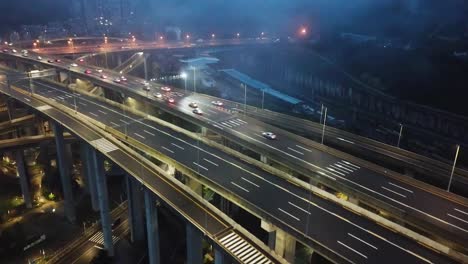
x: 203, y: 216
x: 297, y: 205
x: 432, y: 212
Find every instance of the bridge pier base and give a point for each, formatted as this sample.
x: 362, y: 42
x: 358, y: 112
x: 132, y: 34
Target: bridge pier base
x: 24, y: 179
x: 194, y: 245
x: 63, y: 165
x: 84, y: 166
x: 280, y: 241
x: 135, y: 210
x: 152, y: 228
x: 103, y: 199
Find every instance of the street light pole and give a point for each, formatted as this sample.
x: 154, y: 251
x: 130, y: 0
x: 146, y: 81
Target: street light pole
x: 324, y: 124
x: 321, y: 112
x: 399, y: 136
x: 245, y: 99
x: 453, y: 167
x: 194, y: 81
x: 263, y: 97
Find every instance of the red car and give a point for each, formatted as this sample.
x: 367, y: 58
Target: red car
x: 81, y: 60
x: 58, y: 61
x: 88, y: 71
x: 171, y: 100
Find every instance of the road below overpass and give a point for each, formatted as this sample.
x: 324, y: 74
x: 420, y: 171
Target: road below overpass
x: 354, y: 238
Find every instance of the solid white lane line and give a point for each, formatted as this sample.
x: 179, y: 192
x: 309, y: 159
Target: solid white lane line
x: 100, y: 111
x: 168, y: 149
x: 298, y: 207
x: 205, y: 168
x: 290, y: 215
x: 343, y: 167
x: 345, y: 140
x: 81, y: 103
x: 115, y: 124
x: 326, y: 175
x: 209, y: 161
x: 365, y: 242
x: 458, y: 218
x: 351, y: 164
x: 297, y: 151
x: 138, y: 135
x: 27, y: 99
x: 458, y: 210
x: 335, y: 171
x: 254, y: 184
x: 338, y: 169
x: 93, y: 114
x: 308, y: 150
x: 397, y: 193
x: 149, y: 133
x: 398, y: 186
x: 240, y: 187
x: 352, y: 249
x: 177, y: 146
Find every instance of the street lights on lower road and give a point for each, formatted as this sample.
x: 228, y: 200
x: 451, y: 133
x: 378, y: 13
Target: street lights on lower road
x: 453, y: 167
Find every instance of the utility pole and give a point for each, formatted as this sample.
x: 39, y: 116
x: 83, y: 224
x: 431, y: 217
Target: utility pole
x: 324, y: 124
x: 453, y: 168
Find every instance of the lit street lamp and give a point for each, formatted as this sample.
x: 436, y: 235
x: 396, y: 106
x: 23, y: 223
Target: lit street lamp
x: 238, y: 35
x: 183, y: 75
x: 213, y: 35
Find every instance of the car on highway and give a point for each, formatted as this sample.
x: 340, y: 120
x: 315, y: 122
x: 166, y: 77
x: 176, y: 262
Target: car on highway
x: 170, y: 100
x: 39, y: 58
x: 50, y: 61
x: 99, y: 70
x: 58, y: 61
x: 81, y: 60
x: 88, y: 71
x: 217, y: 103
x: 146, y: 88
x: 117, y: 80
x: 123, y: 78
x: 197, y: 111
x: 25, y: 54
x: 74, y: 65
x: 269, y: 135
x: 6, y: 50
x: 104, y: 76
x: 166, y: 89
x: 157, y: 95
x: 13, y: 50
x: 193, y: 105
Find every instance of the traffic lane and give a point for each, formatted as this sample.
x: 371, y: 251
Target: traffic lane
x: 242, y: 184
x: 366, y: 180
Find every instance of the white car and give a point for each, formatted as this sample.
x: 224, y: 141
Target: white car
x: 123, y: 79
x: 193, y: 105
x: 39, y: 58
x: 117, y: 80
x: 269, y: 135
x: 157, y: 95
x: 74, y: 65
x: 13, y: 50
x: 146, y: 88
x: 197, y: 111
x: 217, y: 103
x: 166, y: 89
x: 99, y: 70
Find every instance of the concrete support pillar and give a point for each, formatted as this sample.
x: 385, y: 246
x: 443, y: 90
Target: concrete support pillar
x: 195, y: 186
x: 152, y: 228
x: 194, y: 245
x: 103, y: 199
x: 88, y: 162
x: 119, y: 59
x: 204, y: 131
x: 84, y: 165
x: 145, y: 66
x: 65, y: 177
x: 135, y: 210
x: 283, y: 243
x: 219, y: 256
x: 264, y: 159
x: 24, y: 179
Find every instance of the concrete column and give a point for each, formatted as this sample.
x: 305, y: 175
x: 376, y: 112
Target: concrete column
x: 88, y: 161
x: 263, y: 159
x: 219, y: 256
x: 84, y: 165
x: 145, y: 67
x: 24, y: 179
x: 119, y: 59
x: 65, y: 176
x: 103, y: 199
x: 194, y: 245
x: 204, y: 131
x: 283, y: 243
x: 135, y: 210
x: 152, y: 228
